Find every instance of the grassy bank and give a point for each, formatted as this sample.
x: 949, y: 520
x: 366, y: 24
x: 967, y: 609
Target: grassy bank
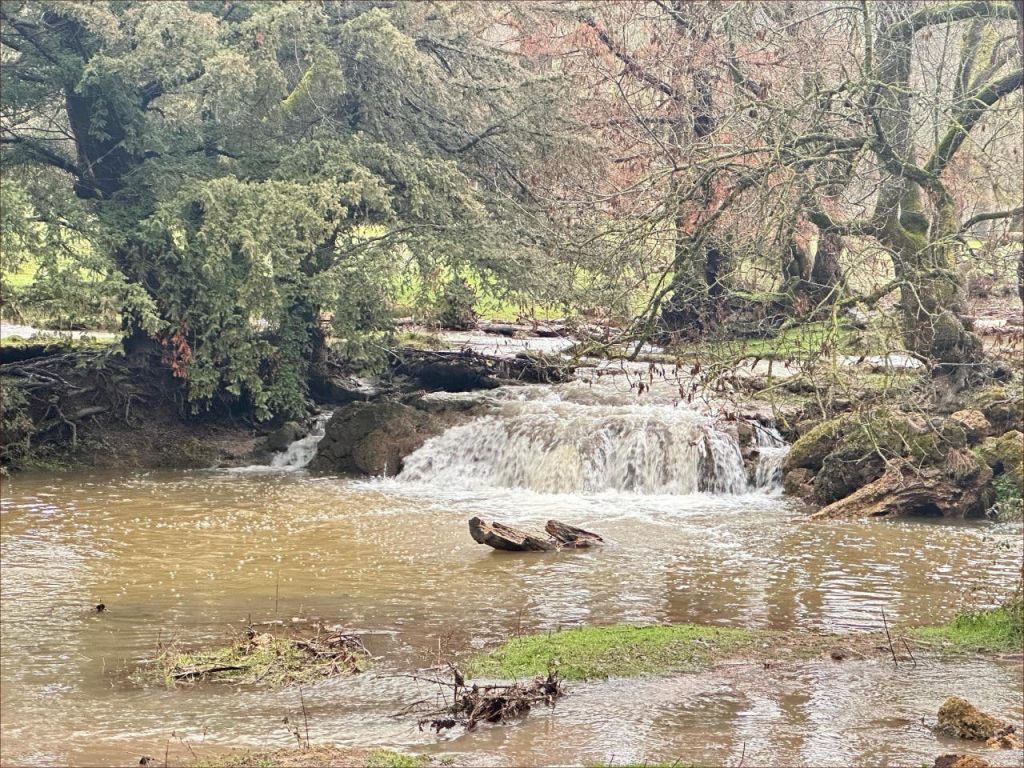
x: 995, y: 629
x: 615, y: 651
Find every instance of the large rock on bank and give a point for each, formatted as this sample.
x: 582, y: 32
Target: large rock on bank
x: 1005, y: 454
x: 373, y: 438
x: 959, y: 490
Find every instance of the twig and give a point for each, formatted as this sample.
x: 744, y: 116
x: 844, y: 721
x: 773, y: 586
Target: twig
x: 892, y: 650
x: 305, y: 719
x: 907, y: 646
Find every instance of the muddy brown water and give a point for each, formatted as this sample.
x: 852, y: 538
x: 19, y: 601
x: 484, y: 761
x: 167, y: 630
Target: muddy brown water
x: 186, y: 556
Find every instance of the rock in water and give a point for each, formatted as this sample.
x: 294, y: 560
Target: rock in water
x: 960, y: 761
x: 961, y: 719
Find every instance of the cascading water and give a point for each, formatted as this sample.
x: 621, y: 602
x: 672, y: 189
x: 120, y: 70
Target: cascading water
x: 555, y: 446
x: 301, y: 452
x: 771, y: 453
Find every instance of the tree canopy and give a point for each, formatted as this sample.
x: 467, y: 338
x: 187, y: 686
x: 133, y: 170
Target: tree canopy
x: 247, y: 184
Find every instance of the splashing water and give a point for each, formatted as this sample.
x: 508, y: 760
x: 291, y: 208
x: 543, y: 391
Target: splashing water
x: 554, y: 446
x: 771, y: 453
x: 301, y: 452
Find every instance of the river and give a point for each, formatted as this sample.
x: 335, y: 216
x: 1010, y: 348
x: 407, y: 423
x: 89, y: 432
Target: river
x: 188, y: 556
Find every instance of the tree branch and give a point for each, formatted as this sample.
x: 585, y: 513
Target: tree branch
x: 966, y: 118
x: 980, y: 217
x: 950, y: 12
x: 48, y: 156
x: 632, y: 66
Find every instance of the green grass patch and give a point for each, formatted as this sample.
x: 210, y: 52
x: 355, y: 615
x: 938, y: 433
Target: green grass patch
x: 995, y: 629
x: 617, y: 651
x: 263, y: 658
x: 385, y: 758
x: 810, y: 340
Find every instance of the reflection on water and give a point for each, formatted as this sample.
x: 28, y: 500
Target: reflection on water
x: 183, y: 556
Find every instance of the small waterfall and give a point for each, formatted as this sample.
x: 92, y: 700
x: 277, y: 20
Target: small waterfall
x: 771, y: 453
x: 301, y: 452
x: 553, y: 446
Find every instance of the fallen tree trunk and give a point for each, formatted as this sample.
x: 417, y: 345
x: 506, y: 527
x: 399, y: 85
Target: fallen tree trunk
x: 508, y: 539
x: 905, y: 491
x: 466, y: 370
x: 572, y: 537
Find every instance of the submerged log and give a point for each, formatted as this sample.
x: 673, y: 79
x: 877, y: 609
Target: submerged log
x: 572, y: 537
x: 504, y: 537
x: 508, y: 539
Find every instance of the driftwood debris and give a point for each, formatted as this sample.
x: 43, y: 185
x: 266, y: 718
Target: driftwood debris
x: 469, y: 704
x: 557, y: 536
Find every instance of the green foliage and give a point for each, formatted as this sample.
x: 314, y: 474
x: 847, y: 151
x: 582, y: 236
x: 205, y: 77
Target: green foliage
x: 385, y: 758
x: 996, y: 629
x: 613, y: 651
x: 16, y: 425
x: 224, y: 170
x: 456, y: 306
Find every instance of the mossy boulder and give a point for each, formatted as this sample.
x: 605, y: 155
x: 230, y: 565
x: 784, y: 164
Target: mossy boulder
x: 863, y: 448
x: 1005, y: 454
x: 284, y: 436
x: 1002, y: 406
x: 973, y: 423
x: 373, y: 438
x: 810, y: 450
x: 961, y: 719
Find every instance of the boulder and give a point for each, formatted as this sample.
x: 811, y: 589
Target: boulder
x: 1002, y: 406
x: 976, y: 427
x: 960, y: 761
x: 811, y: 449
x: 1005, y: 455
x: 339, y: 389
x: 373, y: 438
x: 284, y: 436
x: 961, y: 719
x: 861, y: 448
x: 906, y: 490
x: 799, y: 482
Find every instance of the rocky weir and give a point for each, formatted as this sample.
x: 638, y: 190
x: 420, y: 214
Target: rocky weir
x: 548, y: 441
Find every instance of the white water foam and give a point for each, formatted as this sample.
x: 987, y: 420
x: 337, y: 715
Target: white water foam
x: 555, y: 446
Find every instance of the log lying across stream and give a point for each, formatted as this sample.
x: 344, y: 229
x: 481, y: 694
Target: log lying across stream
x: 558, y: 536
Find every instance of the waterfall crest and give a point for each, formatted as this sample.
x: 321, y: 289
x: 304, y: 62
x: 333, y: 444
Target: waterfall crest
x: 556, y: 446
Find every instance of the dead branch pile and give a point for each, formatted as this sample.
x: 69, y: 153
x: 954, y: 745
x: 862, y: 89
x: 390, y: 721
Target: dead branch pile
x: 269, y: 658
x: 470, y: 705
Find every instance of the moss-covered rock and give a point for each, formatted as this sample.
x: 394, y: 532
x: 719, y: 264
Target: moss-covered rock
x: 961, y: 719
x: 811, y: 449
x: 284, y: 436
x: 1002, y: 406
x: 864, y: 446
x: 1005, y: 454
x: 973, y: 422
